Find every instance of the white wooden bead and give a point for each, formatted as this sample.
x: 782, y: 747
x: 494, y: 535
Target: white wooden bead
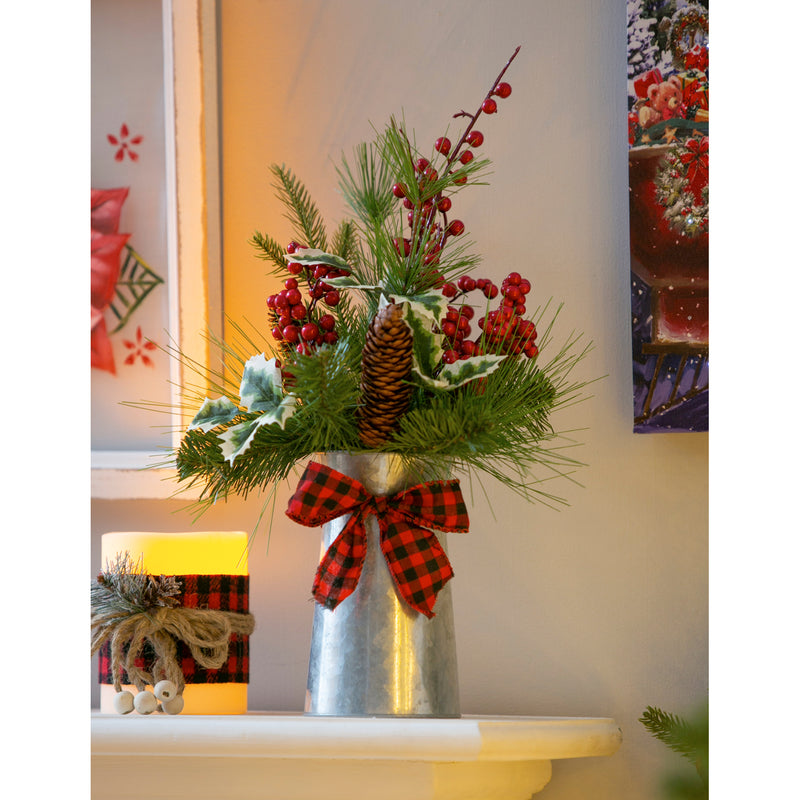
x: 174, y: 706
x: 145, y: 702
x: 165, y: 691
x: 123, y: 702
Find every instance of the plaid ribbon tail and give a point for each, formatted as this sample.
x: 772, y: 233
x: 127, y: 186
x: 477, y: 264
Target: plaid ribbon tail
x: 340, y: 569
x: 417, y: 561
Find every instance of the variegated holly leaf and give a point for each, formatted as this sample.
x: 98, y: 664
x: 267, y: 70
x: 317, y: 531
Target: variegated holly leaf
x: 261, y: 388
x: 349, y: 282
x: 237, y: 438
x: 212, y: 413
x: 463, y: 371
x: 310, y: 256
x: 430, y: 305
x: 426, y: 345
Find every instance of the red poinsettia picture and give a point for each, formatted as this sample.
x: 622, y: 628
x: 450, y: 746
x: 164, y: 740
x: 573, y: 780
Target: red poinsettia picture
x: 107, y: 245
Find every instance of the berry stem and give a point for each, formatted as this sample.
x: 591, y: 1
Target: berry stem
x: 474, y: 117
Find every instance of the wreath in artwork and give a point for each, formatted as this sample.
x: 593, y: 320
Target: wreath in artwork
x: 682, y: 186
x: 687, y: 23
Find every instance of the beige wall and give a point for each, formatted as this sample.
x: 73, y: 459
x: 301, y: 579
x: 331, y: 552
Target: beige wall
x: 598, y: 609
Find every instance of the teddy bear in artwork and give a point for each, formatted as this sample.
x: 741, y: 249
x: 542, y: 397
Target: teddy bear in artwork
x: 666, y: 100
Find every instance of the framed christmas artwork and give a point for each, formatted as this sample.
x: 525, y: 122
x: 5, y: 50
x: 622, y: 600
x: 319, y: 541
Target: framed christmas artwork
x: 154, y: 273
x: 668, y: 170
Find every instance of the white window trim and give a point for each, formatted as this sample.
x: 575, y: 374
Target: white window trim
x: 193, y: 233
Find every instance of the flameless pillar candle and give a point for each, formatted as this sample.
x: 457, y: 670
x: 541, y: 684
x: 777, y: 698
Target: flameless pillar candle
x: 222, y: 554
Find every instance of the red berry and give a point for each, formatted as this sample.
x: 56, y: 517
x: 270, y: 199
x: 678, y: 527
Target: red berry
x: 524, y: 286
x: 298, y: 311
x: 466, y: 157
x: 421, y: 164
x: 456, y: 227
x: 450, y: 357
x: 449, y: 328
x: 293, y: 247
x: 327, y: 322
x: 271, y: 300
x: 294, y: 267
x: 408, y: 203
x: 442, y: 145
x: 467, y: 348
x: 330, y: 337
x: 290, y: 283
x: 281, y: 301
x: 403, y: 246
x: 291, y: 333
x: 468, y: 312
x: 459, y: 178
x: 332, y: 297
x: 449, y: 290
x: 444, y: 204
x: 489, y: 106
x: 502, y: 89
x: 309, y: 331
x: 293, y: 297
x: 398, y: 190
x: 490, y: 290
x: 277, y: 333
x: 514, y: 278
x: 512, y: 293
x: 465, y: 283
x: 475, y: 139
x: 303, y: 349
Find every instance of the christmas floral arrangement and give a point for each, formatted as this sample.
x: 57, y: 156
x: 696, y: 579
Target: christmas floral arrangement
x: 384, y: 337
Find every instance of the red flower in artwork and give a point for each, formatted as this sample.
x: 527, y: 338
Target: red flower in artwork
x: 124, y: 145
x: 138, y: 347
x: 696, y: 161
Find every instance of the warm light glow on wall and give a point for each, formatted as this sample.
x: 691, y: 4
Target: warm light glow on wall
x: 194, y: 553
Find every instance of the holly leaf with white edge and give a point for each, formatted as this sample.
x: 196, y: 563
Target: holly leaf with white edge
x: 463, y: 371
x: 426, y: 345
x: 424, y: 313
x: 310, y: 256
x: 212, y: 413
x: 348, y: 282
x: 428, y: 305
x: 238, y: 438
x: 261, y: 388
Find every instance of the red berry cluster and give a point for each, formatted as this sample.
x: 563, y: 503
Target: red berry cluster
x: 298, y: 323
x: 430, y: 235
x: 505, y: 331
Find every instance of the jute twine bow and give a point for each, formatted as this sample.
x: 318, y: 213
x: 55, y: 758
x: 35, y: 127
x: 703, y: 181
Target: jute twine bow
x: 206, y: 632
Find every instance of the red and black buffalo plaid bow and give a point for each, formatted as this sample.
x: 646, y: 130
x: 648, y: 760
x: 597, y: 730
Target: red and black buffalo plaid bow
x: 416, y: 560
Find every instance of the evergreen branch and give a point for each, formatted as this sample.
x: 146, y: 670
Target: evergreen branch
x: 271, y: 251
x: 687, y: 738
x: 301, y: 211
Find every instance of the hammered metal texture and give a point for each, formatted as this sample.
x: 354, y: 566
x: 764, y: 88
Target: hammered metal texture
x: 374, y: 655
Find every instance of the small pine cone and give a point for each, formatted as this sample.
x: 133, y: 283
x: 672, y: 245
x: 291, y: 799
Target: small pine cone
x: 385, y: 368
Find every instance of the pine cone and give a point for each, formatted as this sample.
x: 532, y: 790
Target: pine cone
x: 385, y: 368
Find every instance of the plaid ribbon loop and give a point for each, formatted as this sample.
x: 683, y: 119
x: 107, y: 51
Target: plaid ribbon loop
x: 416, y: 560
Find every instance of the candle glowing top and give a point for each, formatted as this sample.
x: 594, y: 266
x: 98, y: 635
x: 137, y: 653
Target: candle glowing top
x: 192, y: 553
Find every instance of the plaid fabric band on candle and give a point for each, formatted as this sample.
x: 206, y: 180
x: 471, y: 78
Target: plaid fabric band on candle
x: 214, y: 592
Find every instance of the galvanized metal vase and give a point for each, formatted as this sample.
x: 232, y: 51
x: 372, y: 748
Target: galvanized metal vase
x: 373, y: 655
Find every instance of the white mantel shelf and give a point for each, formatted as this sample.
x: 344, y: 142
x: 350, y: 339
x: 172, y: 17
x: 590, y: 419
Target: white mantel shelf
x: 270, y: 756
